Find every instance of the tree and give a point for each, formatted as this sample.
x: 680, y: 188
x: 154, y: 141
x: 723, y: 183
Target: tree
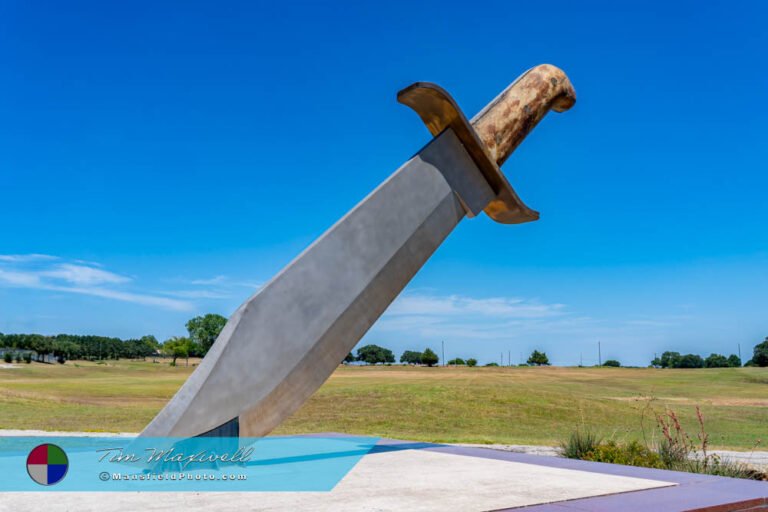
x: 429, y: 358
x: 471, y: 362
x: 538, y: 358
x: 690, y: 361
x: 204, y: 330
x: 411, y: 357
x: 457, y: 362
x: 176, y: 347
x: 760, y: 356
x: 612, y: 362
x: 350, y: 358
x: 372, y: 354
x: 716, y: 361
x: 147, y: 346
x: 492, y: 364
x: 734, y: 361
x: 670, y: 360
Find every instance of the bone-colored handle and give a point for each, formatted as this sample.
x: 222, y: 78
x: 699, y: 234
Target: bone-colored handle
x: 505, y: 122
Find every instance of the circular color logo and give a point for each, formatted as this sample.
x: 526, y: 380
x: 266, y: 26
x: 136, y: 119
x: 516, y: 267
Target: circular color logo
x: 47, y: 464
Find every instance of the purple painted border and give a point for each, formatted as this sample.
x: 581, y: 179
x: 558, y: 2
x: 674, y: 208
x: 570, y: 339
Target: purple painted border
x: 692, y: 493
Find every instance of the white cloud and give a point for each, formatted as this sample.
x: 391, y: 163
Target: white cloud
x: 210, y: 281
x: 461, y: 317
x: 453, y: 305
x: 222, y: 281
x: 83, y: 275
x: 24, y: 279
x: 35, y: 271
x: 197, y: 294
x: 22, y: 258
x: 136, y: 298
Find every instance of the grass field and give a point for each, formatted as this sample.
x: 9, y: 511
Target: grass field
x: 483, y: 405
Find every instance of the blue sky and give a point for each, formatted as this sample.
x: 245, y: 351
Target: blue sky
x: 160, y: 160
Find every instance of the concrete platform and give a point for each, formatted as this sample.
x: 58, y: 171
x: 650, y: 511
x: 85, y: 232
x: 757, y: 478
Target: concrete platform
x: 401, y: 475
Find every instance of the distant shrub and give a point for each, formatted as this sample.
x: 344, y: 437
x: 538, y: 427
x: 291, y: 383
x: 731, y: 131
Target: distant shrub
x: 676, y: 450
x: 8, y: 357
x: 691, y: 361
x: 492, y: 364
x: 629, y: 454
x: 579, y: 444
x: 374, y: 354
x: 612, y: 362
x: 716, y: 361
x: 27, y: 357
x: 538, y: 358
x: 411, y: 357
x: 471, y: 362
x: 429, y: 358
x: 676, y: 360
x: 457, y: 362
x: 760, y: 354
x: 18, y: 357
x: 60, y: 360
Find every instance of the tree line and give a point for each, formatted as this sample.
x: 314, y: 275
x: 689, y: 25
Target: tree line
x: 671, y: 359
x: 374, y: 354
x: 202, y: 332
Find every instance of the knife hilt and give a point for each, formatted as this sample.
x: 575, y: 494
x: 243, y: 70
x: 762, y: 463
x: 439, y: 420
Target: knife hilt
x: 498, y: 129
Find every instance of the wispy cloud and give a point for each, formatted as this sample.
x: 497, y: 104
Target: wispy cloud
x: 451, y: 305
x: 197, y: 294
x: 83, y: 275
x: 219, y: 287
x: 44, y: 272
x: 21, y: 258
x: 21, y: 279
x: 223, y: 281
x: 456, y: 316
x: 136, y: 298
x: 210, y: 281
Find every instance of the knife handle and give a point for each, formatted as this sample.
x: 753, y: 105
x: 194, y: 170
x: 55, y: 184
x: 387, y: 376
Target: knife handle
x: 503, y: 123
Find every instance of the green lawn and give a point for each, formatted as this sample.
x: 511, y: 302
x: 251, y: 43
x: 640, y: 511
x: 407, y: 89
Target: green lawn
x: 493, y: 405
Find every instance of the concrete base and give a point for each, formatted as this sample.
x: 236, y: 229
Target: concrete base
x: 411, y: 476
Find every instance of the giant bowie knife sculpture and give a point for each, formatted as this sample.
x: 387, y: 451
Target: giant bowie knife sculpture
x: 286, y: 340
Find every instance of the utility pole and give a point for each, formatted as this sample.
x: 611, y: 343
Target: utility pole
x: 739, y: 345
x: 442, y: 343
x: 509, y: 358
x: 599, y: 355
x: 581, y: 361
x: 502, y: 359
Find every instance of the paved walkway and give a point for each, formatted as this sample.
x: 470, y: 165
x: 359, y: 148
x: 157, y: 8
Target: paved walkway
x: 755, y: 459
x: 420, y: 477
